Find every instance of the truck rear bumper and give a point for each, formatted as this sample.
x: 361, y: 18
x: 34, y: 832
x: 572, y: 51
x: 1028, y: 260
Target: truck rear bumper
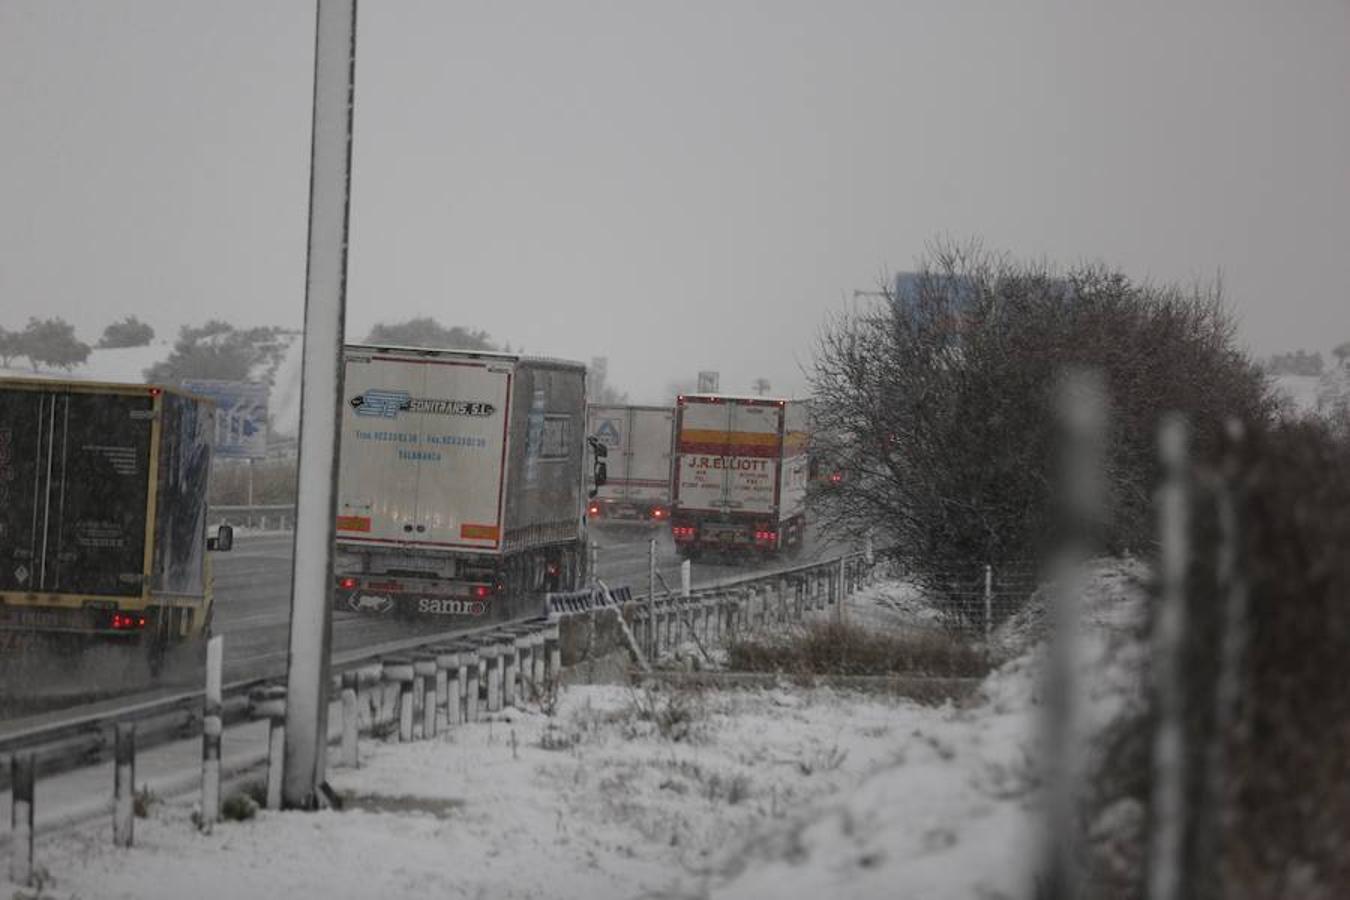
x: 447, y: 602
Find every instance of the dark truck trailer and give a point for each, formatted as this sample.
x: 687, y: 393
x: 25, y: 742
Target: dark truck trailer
x: 461, y: 483
x: 103, y: 517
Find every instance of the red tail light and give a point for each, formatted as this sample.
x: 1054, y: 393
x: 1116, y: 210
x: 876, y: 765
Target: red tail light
x: 552, y: 568
x: 347, y: 583
x: 682, y: 532
x: 836, y: 477
x: 594, y: 509
x: 766, y: 537
x: 126, y: 622
x: 482, y: 591
x: 658, y: 513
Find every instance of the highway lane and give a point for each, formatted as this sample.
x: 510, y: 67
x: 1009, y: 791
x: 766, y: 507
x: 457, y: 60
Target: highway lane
x: 252, y: 611
x: 253, y: 593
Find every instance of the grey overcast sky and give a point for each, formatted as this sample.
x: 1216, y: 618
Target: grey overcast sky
x: 677, y: 186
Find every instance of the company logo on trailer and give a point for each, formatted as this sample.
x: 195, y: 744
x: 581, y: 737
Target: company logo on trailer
x: 388, y: 404
x: 370, y: 603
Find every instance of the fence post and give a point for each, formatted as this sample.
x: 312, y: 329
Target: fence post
x: 1080, y: 413
x: 1169, y: 808
x: 988, y: 604
x: 651, y: 572
x: 1213, y: 816
x: 124, y: 784
x: 22, y: 768
x: 212, y: 727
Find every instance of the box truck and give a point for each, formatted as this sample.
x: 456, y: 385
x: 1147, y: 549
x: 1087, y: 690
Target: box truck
x: 740, y: 475
x: 103, y: 521
x: 639, y: 441
x: 461, y: 483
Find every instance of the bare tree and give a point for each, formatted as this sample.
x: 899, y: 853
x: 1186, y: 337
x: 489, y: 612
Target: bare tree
x: 933, y: 401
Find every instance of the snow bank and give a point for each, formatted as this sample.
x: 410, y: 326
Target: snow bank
x: 633, y: 793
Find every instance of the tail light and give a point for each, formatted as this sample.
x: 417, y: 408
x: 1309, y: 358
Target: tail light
x: 836, y: 477
x: 347, y: 583
x: 766, y: 537
x: 682, y: 532
x: 552, y: 568
x: 120, y: 621
x: 658, y: 513
x: 593, y: 510
x: 482, y: 591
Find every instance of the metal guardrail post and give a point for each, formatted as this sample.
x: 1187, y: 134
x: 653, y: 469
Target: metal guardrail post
x: 351, y: 724
x: 491, y: 655
x: 510, y: 668
x: 424, y: 689
x: 124, y: 784
x: 398, y: 673
x: 537, y: 655
x: 212, y: 726
x: 23, y: 767
x: 553, y: 649
x: 474, y: 666
x: 270, y: 703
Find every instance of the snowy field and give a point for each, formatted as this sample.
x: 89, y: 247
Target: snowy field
x: 627, y: 793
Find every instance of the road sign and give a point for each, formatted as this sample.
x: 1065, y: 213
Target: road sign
x: 241, y: 416
x: 707, y: 382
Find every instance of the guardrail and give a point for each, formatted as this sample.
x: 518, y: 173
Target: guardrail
x: 279, y: 517
x: 416, y: 687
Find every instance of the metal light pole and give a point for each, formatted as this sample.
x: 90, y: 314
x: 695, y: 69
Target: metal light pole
x: 320, y: 405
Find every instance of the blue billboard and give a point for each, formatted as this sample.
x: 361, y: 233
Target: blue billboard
x: 241, y: 416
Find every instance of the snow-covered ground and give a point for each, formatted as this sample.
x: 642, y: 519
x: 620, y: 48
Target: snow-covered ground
x: 646, y: 793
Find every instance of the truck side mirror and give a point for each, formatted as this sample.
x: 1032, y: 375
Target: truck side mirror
x: 223, y: 541
x: 601, y: 474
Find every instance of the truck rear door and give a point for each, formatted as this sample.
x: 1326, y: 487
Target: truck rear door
x: 74, y: 475
x: 753, y: 451
x: 703, y: 448
x: 423, y: 450
x: 24, y: 432
x: 647, y: 456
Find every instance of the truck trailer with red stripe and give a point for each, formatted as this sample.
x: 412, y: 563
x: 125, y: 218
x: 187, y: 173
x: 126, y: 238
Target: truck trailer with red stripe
x: 460, y: 485
x: 639, y: 441
x: 740, y: 475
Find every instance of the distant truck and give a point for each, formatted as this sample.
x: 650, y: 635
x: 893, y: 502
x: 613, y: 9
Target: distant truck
x: 640, y: 444
x: 103, y: 521
x: 461, y: 483
x: 740, y: 475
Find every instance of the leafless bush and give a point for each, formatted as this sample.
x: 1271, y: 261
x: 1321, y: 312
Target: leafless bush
x: 672, y: 711
x: 933, y: 403
x: 839, y: 649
